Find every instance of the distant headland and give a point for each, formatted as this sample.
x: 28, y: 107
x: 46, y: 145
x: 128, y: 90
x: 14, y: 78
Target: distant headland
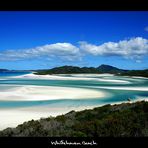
x: 97, y: 70
x: 92, y: 70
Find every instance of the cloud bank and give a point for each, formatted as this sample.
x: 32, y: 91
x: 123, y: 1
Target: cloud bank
x: 134, y: 48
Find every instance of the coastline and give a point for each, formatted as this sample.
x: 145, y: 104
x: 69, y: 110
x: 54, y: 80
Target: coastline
x: 11, y: 117
x: 15, y: 117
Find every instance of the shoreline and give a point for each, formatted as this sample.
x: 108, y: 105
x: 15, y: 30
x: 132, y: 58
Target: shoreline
x: 11, y: 117
x: 15, y: 117
x: 78, y: 77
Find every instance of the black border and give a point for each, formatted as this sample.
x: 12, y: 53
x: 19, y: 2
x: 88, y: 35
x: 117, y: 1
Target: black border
x: 46, y: 142
x: 73, y: 5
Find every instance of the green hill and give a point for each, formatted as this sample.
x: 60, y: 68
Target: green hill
x: 68, y: 70
x: 109, y: 69
x: 101, y: 69
x: 75, y: 69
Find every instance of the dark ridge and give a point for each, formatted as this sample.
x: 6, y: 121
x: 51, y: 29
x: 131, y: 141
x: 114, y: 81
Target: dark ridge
x: 75, y: 69
x: 92, y: 70
x: 4, y: 70
x: 109, y: 69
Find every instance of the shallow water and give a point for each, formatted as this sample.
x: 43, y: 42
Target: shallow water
x: 102, y: 83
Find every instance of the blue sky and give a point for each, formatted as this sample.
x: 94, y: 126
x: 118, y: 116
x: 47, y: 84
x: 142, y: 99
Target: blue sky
x: 45, y: 39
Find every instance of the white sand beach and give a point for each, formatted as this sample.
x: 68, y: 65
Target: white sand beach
x: 76, y: 77
x: 36, y: 93
x: 139, y: 77
x: 90, y: 75
x: 124, y: 88
x: 13, y: 117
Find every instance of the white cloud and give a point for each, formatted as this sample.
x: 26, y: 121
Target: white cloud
x: 133, y: 48
x: 65, y: 51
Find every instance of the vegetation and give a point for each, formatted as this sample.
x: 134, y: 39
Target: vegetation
x: 67, y: 70
x: 142, y: 73
x: 78, y: 70
x: 110, y: 69
x: 123, y: 120
x: 101, y: 69
x: 74, y: 69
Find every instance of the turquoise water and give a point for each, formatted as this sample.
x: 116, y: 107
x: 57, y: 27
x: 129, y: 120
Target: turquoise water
x: 9, y: 80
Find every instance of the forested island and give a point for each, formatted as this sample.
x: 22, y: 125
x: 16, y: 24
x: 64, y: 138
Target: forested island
x: 98, y: 70
x: 85, y: 70
x: 141, y: 73
x: 123, y: 120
